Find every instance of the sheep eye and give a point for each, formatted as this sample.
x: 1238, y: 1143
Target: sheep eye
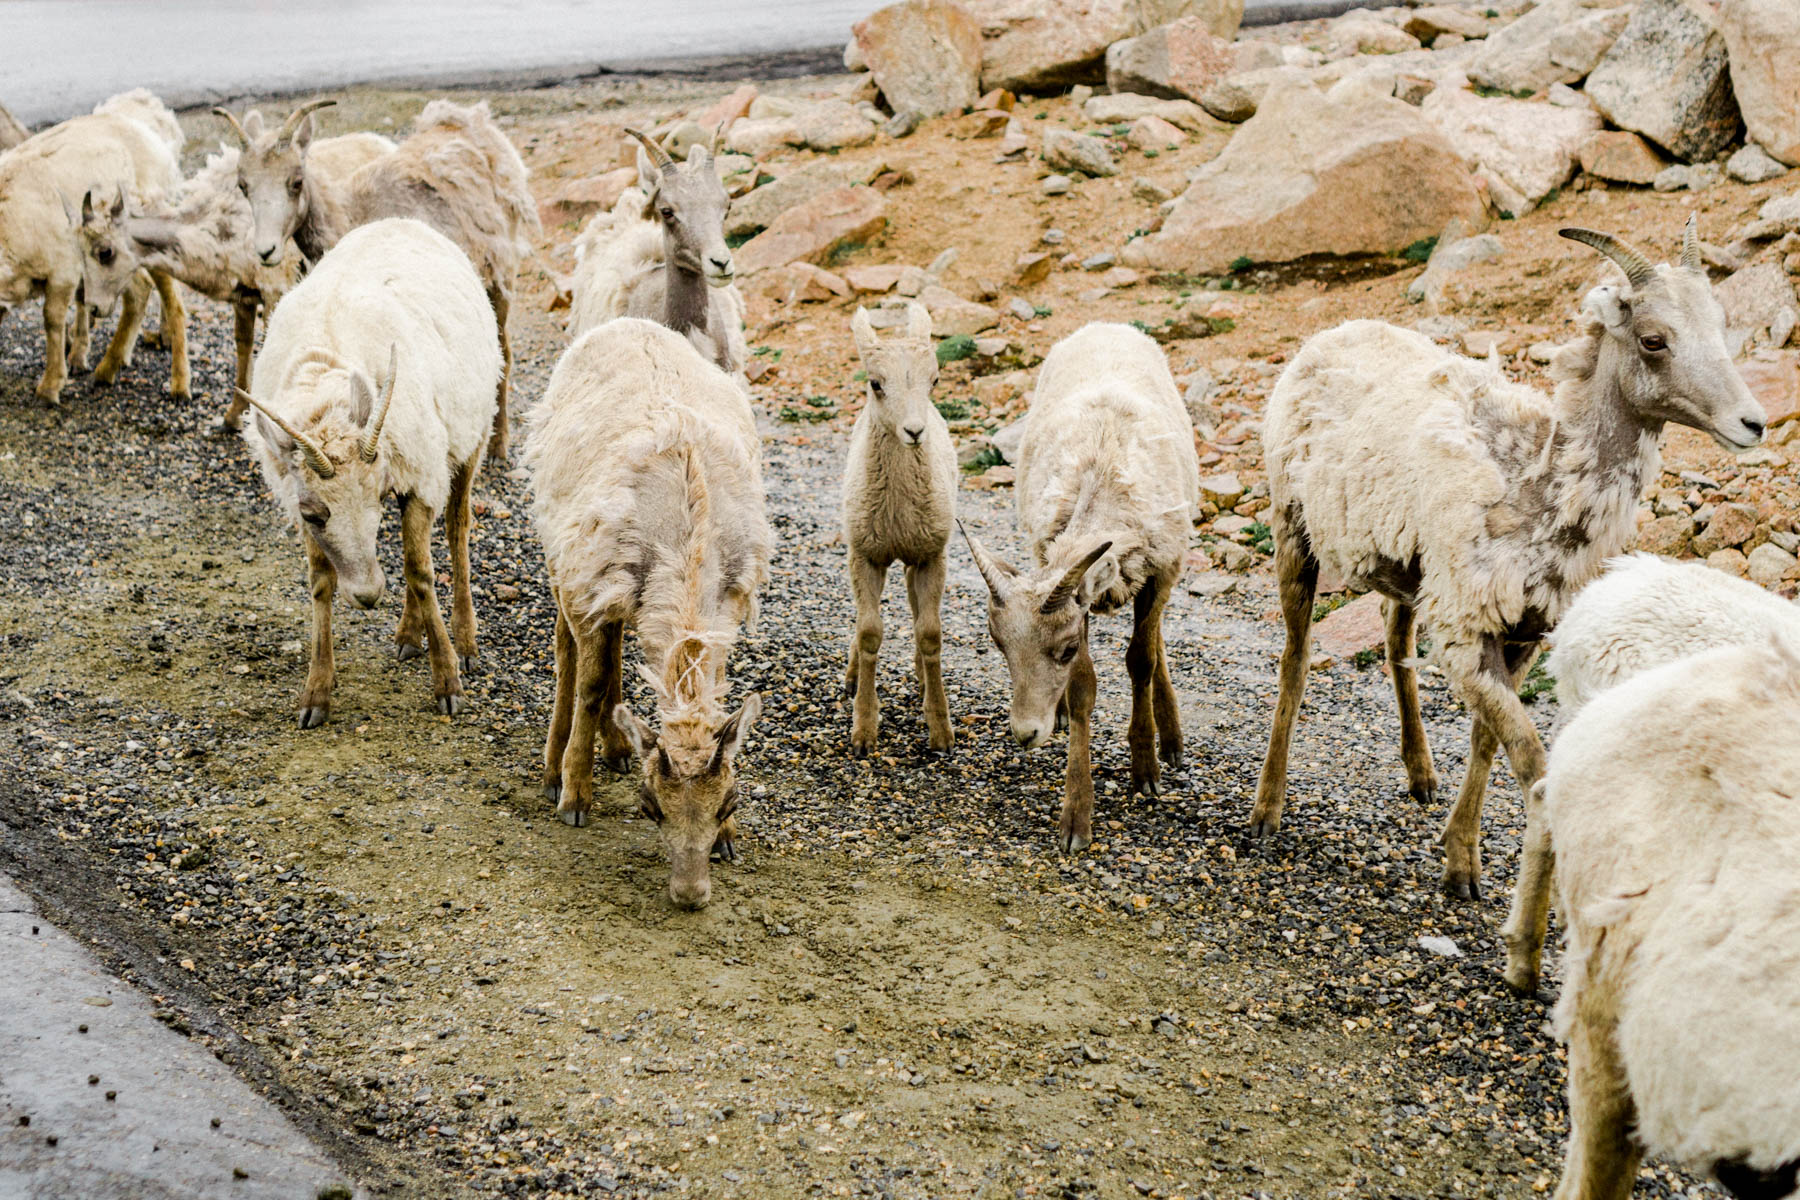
x: 294, y: 184
x: 875, y: 388
x: 1066, y: 655
x: 729, y: 804
x: 316, y: 520
x: 668, y: 214
x: 244, y: 187
x: 104, y: 256
x: 1653, y: 343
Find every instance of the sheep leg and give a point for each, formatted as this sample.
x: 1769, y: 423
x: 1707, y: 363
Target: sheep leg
x: 1298, y: 573
x: 866, y: 583
x: 925, y: 592
x: 589, y: 694
x: 1602, y: 1160
x: 1491, y: 692
x: 1415, y: 751
x: 456, y: 533
x: 421, y: 591
x: 57, y: 298
x: 243, y: 328
x: 174, y: 334
x: 1075, y: 830
x: 1140, y: 665
x: 125, y: 334
x: 321, y: 671
x: 613, y: 746
x: 1529, y: 919
x: 501, y: 299
x: 1168, y: 710
x: 563, y: 712
x: 81, y: 334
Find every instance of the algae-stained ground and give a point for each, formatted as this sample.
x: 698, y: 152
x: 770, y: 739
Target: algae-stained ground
x: 901, y: 990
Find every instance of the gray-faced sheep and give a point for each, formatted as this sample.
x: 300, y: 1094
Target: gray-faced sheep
x: 377, y: 374
x: 1480, y: 504
x: 1107, y: 485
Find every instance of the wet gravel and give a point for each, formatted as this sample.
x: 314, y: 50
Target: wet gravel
x: 125, y: 498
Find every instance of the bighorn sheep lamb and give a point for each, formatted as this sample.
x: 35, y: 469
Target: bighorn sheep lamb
x: 644, y: 458
x: 1480, y: 504
x: 1670, y: 801
x: 128, y: 144
x: 1107, y: 486
x: 204, y: 238
x: 457, y: 173
x: 1645, y: 611
x: 899, y: 503
x: 11, y: 132
x: 661, y: 255
x: 377, y: 374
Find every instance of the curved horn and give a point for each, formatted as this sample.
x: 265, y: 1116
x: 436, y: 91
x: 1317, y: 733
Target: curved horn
x: 236, y: 126
x: 298, y: 115
x: 1637, y: 268
x: 1690, y: 244
x: 993, y: 572
x: 309, y: 450
x: 370, y: 445
x: 1065, y: 589
x: 658, y: 156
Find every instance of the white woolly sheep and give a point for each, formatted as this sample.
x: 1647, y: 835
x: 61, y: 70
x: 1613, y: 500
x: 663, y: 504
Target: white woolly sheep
x: 377, y: 374
x: 660, y: 254
x: 48, y: 185
x: 899, y: 504
x: 1106, y: 490
x: 1645, y: 611
x: 1670, y: 799
x: 645, y: 463
x: 1480, y: 504
x: 457, y: 173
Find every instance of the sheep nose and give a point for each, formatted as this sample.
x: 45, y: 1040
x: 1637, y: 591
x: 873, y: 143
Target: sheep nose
x: 1755, y: 428
x: 720, y: 264
x: 914, y: 433
x: 269, y: 254
x: 690, y: 895
x: 1028, y: 738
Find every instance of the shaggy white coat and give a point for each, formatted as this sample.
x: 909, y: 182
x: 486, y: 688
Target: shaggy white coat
x: 1671, y: 800
x: 1108, y: 448
x: 11, y: 132
x: 1646, y: 611
x: 396, y: 283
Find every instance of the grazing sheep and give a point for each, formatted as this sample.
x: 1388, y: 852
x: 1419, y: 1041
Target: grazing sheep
x: 377, y: 374
x: 457, y: 173
x: 1645, y: 611
x: 48, y: 187
x: 660, y: 254
x: 644, y: 459
x: 1670, y: 799
x: 11, y: 132
x: 1480, y: 504
x: 1107, y: 485
x: 899, y: 503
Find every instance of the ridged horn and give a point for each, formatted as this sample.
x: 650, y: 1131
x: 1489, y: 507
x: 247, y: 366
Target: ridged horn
x: 370, y: 445
x: 237, y: 126
x: 658, y: 156
x: 994, y: 573
x: 1637, y: 268
x: 298, y: 115
x: 1690, y: 244
x: 309, y: 450
x: 1065, y: 588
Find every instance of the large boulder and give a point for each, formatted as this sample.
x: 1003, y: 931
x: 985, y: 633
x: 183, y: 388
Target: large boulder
x: 809, y: 232
x: 1521, y: 149
x: 1668, y: 78
x: 925, y: 55
x: 833, y: 125
x: 1235, y: 97
x: 1126, y: 108
x: 1763, y: 39
x: 1559, y: 41
x: 1315, y: 173
x: 757, y: 210
x: 1176, y: 61
x: 1031, y: 45
x: 1621, y: 157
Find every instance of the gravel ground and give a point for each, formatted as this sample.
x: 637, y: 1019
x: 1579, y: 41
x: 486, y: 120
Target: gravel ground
x: 902, y: 991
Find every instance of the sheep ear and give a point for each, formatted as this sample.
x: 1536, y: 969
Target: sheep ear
x: 1607, y: 305
x: 863, y: 329
x: 118, y: 205
x: 253, y: 123
x: 303, y: 135
x: 362, y: 401
x: 274, y: 436
x: 87, y: 208
x: 652, y: 187
x: 733, y: 732
x: 640, y: 735
x: 918, y: 320
x: 1075, y: 585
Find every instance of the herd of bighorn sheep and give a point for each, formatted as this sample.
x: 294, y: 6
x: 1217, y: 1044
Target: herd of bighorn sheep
x: 1662, y: 821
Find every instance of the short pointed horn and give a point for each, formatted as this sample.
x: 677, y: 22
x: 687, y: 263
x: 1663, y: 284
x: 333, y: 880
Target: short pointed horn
x: 370, y: 445
x: 236, y: 126
x: 1067, y: 586
x: 1690, y: 244
x: 298, y: 115
x: 1637, y: 268
x: 994, y: 573
x: 309, y: 450
x: 658, y: 156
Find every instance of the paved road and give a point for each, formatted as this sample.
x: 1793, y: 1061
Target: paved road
x: 146, y: 1129
x: 59, y: 57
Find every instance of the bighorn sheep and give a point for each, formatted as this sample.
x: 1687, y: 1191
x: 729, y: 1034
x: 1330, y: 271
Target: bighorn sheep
x: 11, y: 132
x: 1670, y: 801
x: 899, y: 503
x: 661, y: 255
x: 457, y: 173
x: 129, y: 143
x: 644, y: 458
x: 1480, y: 504
x: 1107, y: 486
x: 204, y: 239
x: 377, y: 374
x: 1645, y: 611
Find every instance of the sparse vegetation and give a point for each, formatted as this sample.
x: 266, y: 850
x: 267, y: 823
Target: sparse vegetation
x: 955, y: 348
x: 1420, y: 251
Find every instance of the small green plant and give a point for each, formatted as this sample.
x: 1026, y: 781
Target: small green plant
x: 812, y: 411
x: 1506, y: 214
x: 989, y: 457
x: 955, y: 348
x: 1537, y: 683
x: 1481, y: 89
x: 953, y: 410
x: 1242, y: 263
x: 1365, y: 658
x: 1152, y: 153
x: 1329, y: 605
x: 844, y: 250
x: 861, y: 377
x: 772, y: 353
x: 1554, y: 196
x: 1262, y: 538
x: 1043, y: 116
x: 738, y: 239
x: 1490, y: 13
x: 1142, y: 327
x: 1420, y: 251
x: 1040, y: 310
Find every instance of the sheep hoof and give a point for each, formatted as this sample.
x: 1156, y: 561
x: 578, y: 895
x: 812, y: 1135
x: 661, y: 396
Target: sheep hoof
x: 313, y: 716
x: 407, y: 651
x: 1424, y: 793
x: 468, y: 662
x: 553, y: 791
x: 1073, y: 841
x: 1172, y: 757
x: 1521, y: 981
x: 573, y: 817
x: 449, y: 706
x: 849, y: 687
x: 726, y: 849
x: 1149, y: 786
x: 1262, y: 827
x: 1461, y: 887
